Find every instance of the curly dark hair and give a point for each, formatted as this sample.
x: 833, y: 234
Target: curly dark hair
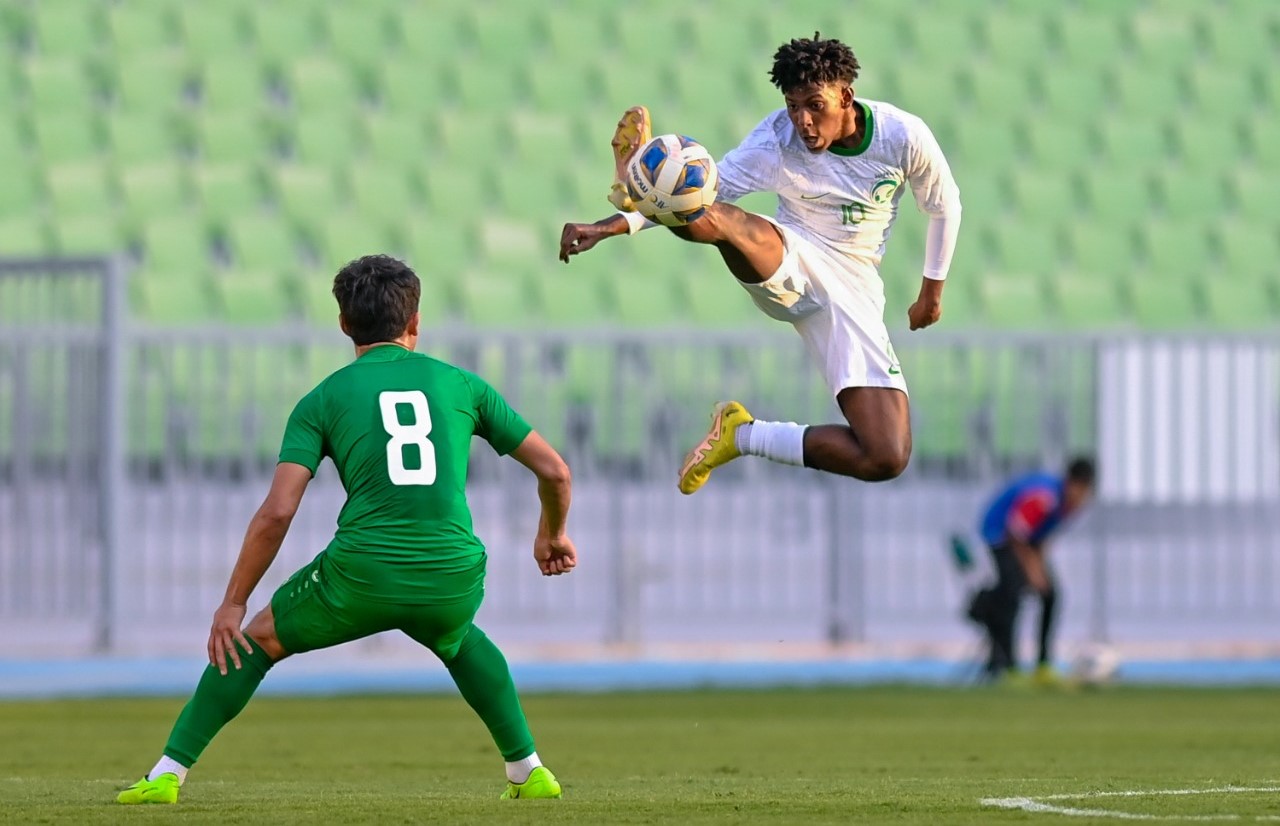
x: 377, y: 296
x: 803, y: 62
x: 1082, y: 469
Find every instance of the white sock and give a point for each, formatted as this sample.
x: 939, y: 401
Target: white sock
x: 168, y: 765
x: 518, y: 770
x: 777, y: 441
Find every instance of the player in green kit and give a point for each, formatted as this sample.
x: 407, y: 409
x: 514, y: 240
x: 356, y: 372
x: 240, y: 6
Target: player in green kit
x: 398, y: 426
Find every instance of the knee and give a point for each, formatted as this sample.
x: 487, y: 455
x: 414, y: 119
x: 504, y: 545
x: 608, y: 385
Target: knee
x: 262, y: 630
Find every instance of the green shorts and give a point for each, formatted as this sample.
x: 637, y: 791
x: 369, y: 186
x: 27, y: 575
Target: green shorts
x: 312, y: 610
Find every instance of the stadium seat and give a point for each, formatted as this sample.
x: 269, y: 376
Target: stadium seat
x: 383, y: 194
x: 80, y: 189
x: 1117, y: 193
x: 1075, y: 95
x: 1203, y: 142
x: 1240, y: 302
x: 1254, y: 191
x: 151, y: 82
x: 1088, y: 303
x: 358, y: 35
x: 232, y: 137
x: 151, y: 190
x: 67, y: 137
x: 455, y: 189
x: 1027, y: 248
x: 346, y: 236
x: 555, y: 85
x: 24, y: 235
x: 176, y: 246
x: 1138, y: 143
x: 90, y: 234
x: 282, y: 33
x: 1015, y: 39
x: 396, y: 139
x: 928, y: 92
x: 68, y: 30
x: 327, y: 137
x: 211, y: 30
x: 1015, y: 301
x: 984, y: 144
x: 1176, y: 249
x: 1101, y: 250
x: 1186, y: 195
x: 21, y: 194
x: 640, y: 299
x: 437, y: 245
x: 1163, y: 40
x: 996, y: 89
x: 227, y: 190
x: 260, y: 241
x: 1248, y: 249
x: 1161, y: 302
x: 427, y: 34
x: 1264, y: 141
x: 253, y: 297
x: 60, y: 85
x: 137, y: 137
x: 321, y: 84
x: 565, y: 301
x: 1043, y: 194
x: 406, y: 89
x: 306, y: 193
x: 1223, y: 91
x: 1236, y: 40
x: 1142, y: 92
x: 167, y: 301
x: 139, y: 28
x: 496, y: 301
x: 1054, y: 140
x: 232, y: 83
x: 1083, y: 36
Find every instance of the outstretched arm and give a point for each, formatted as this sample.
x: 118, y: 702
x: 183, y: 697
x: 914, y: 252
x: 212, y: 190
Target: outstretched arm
x: 552, y: 548
x: 578, y: 238
x: 262, y: 542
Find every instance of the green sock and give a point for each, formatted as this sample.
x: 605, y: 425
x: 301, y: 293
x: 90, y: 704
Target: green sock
x: 482, y: 676
x: 217, y: 701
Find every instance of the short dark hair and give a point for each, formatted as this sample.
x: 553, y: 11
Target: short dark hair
x: 804, y: 62
x: 377, y: 296
x: 1083, y: 470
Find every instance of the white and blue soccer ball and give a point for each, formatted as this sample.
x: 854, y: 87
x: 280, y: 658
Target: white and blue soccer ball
x: 1095, y: 664
x: 672, y: 180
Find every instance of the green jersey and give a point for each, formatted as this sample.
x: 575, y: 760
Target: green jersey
x: 398, y: 426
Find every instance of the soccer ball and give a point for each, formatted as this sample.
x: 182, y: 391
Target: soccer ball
x: 672, y: 180
x: 1095, y: 665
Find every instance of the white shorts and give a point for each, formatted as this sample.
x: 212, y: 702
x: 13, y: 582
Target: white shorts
x: 837, y: 312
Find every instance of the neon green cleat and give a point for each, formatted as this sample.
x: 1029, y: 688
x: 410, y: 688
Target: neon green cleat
x: 164, y: 789
x: 718, y: 448
x: 541, y: 784
x: 1046, y: 677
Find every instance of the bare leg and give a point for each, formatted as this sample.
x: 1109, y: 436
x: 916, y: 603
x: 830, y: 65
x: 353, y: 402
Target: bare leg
x: 750, y: 245
x: 262, y: 630
x: 874, y: 446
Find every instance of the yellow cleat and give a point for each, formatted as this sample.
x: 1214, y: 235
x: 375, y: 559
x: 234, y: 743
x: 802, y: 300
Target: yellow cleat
x: 1046, y: 677
x: 164, y: 789
x: 634, y: 131
x: 542, y: 784
x: 717, y: 448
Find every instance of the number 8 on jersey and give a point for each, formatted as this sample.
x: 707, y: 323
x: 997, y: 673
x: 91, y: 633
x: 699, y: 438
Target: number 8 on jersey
x: 404, y: 435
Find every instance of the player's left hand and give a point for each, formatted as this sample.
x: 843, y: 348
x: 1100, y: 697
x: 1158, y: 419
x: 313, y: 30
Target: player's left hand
x: 924, y: 312
x: 554, y: 555
x: 225, y: 633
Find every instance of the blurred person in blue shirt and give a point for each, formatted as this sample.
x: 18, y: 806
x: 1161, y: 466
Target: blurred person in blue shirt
x: 1016, y: 525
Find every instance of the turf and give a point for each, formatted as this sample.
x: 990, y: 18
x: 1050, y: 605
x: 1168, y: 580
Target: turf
x: 882, y: 755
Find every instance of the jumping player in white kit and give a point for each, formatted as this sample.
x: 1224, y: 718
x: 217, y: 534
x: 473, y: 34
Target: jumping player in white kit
x: 839, y: 166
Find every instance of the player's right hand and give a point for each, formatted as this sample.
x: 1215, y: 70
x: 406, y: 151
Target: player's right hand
x: 554, y: 555
x: 578, y: 238
x: 223, y: 636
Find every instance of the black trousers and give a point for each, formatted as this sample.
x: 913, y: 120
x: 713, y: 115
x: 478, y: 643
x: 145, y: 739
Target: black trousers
x: 996, y: 607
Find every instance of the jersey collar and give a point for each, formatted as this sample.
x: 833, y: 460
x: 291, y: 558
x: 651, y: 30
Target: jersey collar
x: 383, y: 352
x: 866, y: 136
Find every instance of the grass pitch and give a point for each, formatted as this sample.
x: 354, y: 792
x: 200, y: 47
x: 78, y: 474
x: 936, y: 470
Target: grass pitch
x: 882, y: 755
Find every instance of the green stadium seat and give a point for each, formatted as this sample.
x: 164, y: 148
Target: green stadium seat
x: 539, y: 137
x: 151, y: 82
x: 1055, y: 142
x: 511, y: 245
x: 1089, y: 303
x: 1237, y: 40
x: 1015, y: 301
x: 1164, y: 303
x: 232, y: 137
x: 307, y: 193
x: 90, y: 234
x: 261, y: 241
x: 1264, y: 141
x: 1163, y: 40
x: 622, y: 87
x: 67, y: 137
x: 996, y: 89
x: 1223, y: 91
x: 1239, y: 302
x: 226, y: 190
x: 358, y: 34
x: 566, y: 31
x: 1072, y: 96
x: 139, y: 137
x: 408, y: 89
x: 565, y: 301
x: 1117, y: 194
x: 139, y: 28
x: 232, y: 83
x: 327, y: 138
x: 70, y: 30
x: 924, y: 90
x: 517, y: 193
x: 80, y: 189
x: 715, y: 302
x: 1015, y: 38
x: 213, y: 31
x: 281, y: 33
x: 984, y: 143
x: 1188, y: 196
x: 554, y: 83
x: 396, y: 139
x: 383, y: 194
x: 643, y: 299
x: 176, y: 245
x: 151, y: 190
x: 166, y: 300
x: 1144, y: 93
x: 1254, y: 190
x: 428, y: 35
x: 1083, y: 36
x: 513, y: 32
x: 349, y: 236
x: 1027, y: 249
x: 1137, y: 143
x: 960, y: 307
x: 1203, y: 143
x: 21, y: 194
x: 932, y: 33
x: 481, y: 84
x: 318, y: 304
x: 437, y: 245
x: 458, y: 189
x: 1101, y: 250
x: 1248, y: 249
x: 254, y: 297
x: 59, y: 85
x: 1044, y: 194
x: 321, y: 84
x: 24, y: 235
x: 496, y: 300
x: 1176, y: 250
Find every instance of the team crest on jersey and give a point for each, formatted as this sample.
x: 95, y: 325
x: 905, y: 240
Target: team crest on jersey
x: 883, y: 191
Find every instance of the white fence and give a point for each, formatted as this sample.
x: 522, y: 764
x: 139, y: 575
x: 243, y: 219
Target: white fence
x: 131, y: 460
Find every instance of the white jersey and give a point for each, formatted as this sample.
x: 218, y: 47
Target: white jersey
x: 846, y: 200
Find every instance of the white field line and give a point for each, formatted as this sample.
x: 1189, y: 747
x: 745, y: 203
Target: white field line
x: 1038, y: 805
